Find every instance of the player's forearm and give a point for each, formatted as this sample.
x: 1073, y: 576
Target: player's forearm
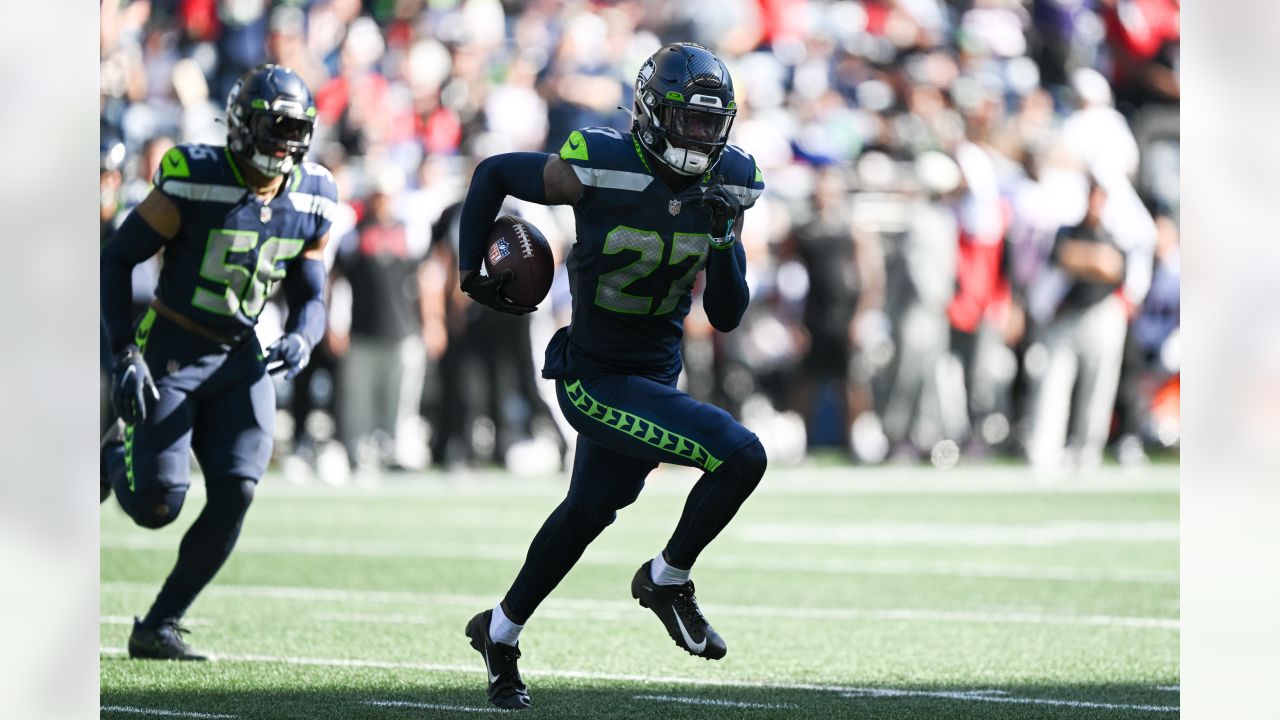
x: 726, y: 295
x: 134, y: 242
x: 517, y: 175
x: 304, y: 293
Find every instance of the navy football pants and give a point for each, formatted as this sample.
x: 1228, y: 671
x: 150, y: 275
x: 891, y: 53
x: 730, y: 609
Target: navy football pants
x: 627, y: 425
x: 214, y: 399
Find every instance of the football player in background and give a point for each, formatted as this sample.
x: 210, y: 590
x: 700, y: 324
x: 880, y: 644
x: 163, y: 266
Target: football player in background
x: 653, y: 208
x: 233, y: 221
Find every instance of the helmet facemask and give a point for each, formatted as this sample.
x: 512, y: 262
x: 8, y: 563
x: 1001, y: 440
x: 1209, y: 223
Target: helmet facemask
x: 275, y: 141
x: 687, y: 137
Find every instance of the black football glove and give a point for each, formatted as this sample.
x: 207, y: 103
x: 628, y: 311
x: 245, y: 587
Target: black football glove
x: 488, y: 291
x: 724, y: 213
x: 132, y: 386
x: 292, y: 351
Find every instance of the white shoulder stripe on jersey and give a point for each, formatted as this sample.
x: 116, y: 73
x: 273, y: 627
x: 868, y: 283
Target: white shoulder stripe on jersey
x: 612, y: 179
x: 314, y: 204
x: 317, y: 169
x: 203, y: 192
x: 744, y: 195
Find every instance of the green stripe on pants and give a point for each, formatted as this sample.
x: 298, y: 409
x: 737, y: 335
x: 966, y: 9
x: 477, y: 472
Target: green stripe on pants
x: 643, y: 430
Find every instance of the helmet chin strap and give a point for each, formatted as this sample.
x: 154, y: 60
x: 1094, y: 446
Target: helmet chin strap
x: 271, y: 166
x: 685, y: 161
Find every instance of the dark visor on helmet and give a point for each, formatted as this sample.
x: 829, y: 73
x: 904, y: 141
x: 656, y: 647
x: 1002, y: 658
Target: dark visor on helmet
x: 271, y: 129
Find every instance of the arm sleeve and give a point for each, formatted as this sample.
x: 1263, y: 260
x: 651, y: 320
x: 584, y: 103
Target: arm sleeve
x: 517, y: 175
x: 133, y: 243
x: 726, y: 295
x: 304, y: 293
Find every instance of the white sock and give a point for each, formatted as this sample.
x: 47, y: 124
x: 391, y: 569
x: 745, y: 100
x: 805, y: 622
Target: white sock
x: 663, y: 574
x: 501, y: 629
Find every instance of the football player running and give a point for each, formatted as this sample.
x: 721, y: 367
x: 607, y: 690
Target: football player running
x: 653, y: 209
x: 233, y: 221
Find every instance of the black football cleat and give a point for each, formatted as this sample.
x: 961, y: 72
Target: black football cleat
x: 677, y: 608
x: 506, y: 689
x: 112, y: 437
x: 162, y: 643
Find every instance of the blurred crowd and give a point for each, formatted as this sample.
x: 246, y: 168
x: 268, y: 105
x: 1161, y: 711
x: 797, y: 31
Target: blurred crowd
x: 968, y: 245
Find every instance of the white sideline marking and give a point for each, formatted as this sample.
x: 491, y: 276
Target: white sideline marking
x: 1169, y: 688
x: 840, y: 481
x: 997, y: 696
x: 507, y: 553
x: 431, y: 706
x: 977, y: 695
x: 166, y: 713
x: 893, y: 533
x: 715, y: 703
x: 605, y: 607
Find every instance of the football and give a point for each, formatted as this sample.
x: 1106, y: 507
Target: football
x: 518, y: 246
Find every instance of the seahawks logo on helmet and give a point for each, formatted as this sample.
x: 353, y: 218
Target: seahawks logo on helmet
x: 684, y: 107
x: 270, y: 119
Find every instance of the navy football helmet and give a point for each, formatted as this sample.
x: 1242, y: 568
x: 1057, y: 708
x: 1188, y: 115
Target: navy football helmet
x: 270, y: 119
x: 684, y: 107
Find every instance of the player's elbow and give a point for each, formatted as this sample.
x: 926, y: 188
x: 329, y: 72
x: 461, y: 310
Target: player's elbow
x: 725, y: 319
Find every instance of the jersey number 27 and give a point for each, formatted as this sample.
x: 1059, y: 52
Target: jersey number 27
x: 610, y: 294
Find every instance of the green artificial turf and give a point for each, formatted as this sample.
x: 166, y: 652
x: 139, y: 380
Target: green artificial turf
x: 842, y: 593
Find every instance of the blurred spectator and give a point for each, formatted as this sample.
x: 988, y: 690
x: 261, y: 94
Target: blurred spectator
x: 846, y: 283
x: 1144, y: 38
x: 1084, y: 342
x: 913, y: 420
x: 385, y: 362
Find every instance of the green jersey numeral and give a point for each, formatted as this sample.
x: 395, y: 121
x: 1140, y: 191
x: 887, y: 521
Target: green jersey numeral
x: 242, y: 289
x: 610, y: 293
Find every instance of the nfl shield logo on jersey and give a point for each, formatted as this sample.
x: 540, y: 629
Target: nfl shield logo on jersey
x: 265, y: 214
x: 673, y: 207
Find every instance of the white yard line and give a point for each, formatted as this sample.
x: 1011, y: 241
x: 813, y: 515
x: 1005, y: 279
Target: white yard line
x: 165, y: 713
x: 980, y: 695
x: 952, y: 534
x: 839, y: 481
x: 607, y: 607
x: 1001, y: 697
x: 511, y: 553
x: 714, y: 703
x: 1169, y: 688
x: 431, y: 706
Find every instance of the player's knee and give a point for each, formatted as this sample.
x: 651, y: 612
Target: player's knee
x: 750, y: 462
x: 155, y: 509
x: 589, y: 519
x: 232, y: 497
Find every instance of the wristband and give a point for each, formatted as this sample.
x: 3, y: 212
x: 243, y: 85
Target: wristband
x: 725, y: 242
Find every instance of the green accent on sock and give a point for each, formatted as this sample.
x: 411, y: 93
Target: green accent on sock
x: 647, y: 432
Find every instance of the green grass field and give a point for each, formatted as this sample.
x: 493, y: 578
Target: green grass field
x: 842, y: 593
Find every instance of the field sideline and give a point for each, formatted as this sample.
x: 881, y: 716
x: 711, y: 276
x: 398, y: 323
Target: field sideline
x: 842, y: 592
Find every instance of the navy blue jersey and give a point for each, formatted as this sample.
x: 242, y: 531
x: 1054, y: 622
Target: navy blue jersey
x: 232, y: 248
x: 638, y: 251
